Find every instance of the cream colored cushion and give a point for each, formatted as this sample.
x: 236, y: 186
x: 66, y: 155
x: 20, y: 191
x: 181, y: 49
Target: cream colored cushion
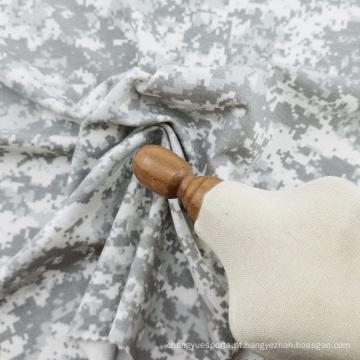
x: 292, y: 259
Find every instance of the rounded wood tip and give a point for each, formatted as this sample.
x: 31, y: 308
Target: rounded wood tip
x: 160, y: 170
x: 167, y: 174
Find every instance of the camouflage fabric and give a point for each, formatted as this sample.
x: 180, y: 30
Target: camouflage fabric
x: 262, y: 91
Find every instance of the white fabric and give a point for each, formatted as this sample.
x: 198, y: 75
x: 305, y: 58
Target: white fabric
x: 292, y: 259
x: 98, y: 350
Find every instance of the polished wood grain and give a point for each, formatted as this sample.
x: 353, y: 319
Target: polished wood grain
x: 165, y: 173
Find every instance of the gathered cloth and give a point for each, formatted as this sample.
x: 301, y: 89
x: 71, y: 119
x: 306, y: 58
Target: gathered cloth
x: 261, y: 92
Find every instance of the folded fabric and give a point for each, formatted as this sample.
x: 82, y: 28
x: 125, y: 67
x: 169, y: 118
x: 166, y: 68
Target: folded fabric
x: 297, y: 252
x: 262, y: 92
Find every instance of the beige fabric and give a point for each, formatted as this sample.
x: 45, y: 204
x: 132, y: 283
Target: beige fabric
x: 292, y: 259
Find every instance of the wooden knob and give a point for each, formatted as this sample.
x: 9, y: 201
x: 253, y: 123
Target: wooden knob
x: 165, y: 173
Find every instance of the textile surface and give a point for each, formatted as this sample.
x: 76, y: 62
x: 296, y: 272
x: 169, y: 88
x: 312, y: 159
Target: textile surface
x: 263, y: 92
x: 297, y: 254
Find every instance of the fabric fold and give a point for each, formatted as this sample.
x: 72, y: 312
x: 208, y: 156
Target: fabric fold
x: 85, y: 250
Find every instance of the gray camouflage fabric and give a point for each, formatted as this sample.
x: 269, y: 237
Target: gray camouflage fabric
x: 260, y: 91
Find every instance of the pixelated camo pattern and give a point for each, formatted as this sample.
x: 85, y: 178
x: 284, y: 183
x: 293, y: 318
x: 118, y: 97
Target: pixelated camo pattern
x: 261, y: 91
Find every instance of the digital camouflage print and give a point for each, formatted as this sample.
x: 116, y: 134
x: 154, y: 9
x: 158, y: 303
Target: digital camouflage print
x: 261, y: 91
